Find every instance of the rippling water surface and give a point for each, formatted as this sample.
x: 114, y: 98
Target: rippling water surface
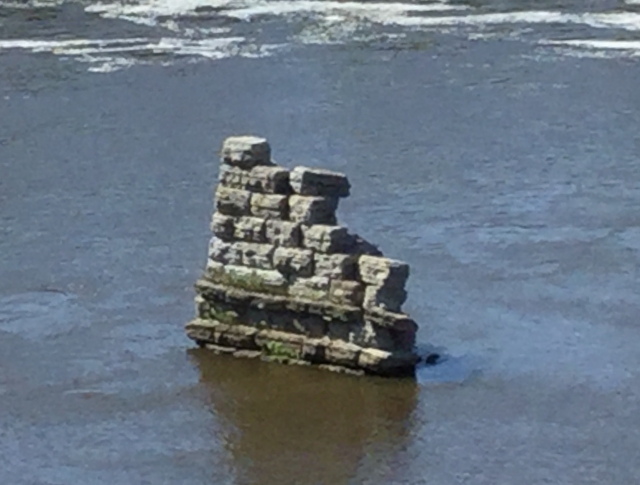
x: 491, y: 144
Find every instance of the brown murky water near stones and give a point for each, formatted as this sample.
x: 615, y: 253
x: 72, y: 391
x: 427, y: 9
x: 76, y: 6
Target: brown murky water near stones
x: 503, y: 170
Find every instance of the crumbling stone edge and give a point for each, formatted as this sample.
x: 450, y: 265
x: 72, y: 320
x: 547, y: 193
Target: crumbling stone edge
x: 285, y: 282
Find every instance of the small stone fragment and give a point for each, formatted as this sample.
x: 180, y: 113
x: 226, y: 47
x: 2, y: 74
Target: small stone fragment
x: 283, y: 233
x: 270, y: 180
x: 250, y: 229
x: 385, y: 272
x: 233, y: 202
x: 314, y: 181
x: 222, y: 226
x: 269, y: 206
x: 335, y: 266
x: 246, y: 151
x: 346, y: 292
x: 293, y: 261
x: 313, y: 210
x: 325, y: 239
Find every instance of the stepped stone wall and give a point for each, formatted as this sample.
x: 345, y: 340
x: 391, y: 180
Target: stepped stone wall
x: 284, y: 281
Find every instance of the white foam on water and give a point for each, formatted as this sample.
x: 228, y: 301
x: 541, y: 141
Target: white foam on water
x: 103, y: 54
x: 597, y: 49
x: 631, y: 45
x: 369, y: 11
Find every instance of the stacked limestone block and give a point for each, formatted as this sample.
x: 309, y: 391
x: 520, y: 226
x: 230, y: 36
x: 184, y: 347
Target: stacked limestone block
x: 284, y: 281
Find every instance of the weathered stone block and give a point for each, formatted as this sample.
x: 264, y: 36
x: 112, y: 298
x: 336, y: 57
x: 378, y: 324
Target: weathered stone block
x: 314, y: 288
x: 342, y: 353
x: 233, y: 177
x: 293, y: 261
x: 313, y: 181
x: 385, y: 272
x: 388, y: 298
x: 250, y: 229
x: 238, y: 336
x: 256, y: 255
x: 387, y: 363
x: 233, y: 202
x: 269, y: 206
x: 222, y: 226
x: 224, y: 252
x: 265, y: 338
x: 246, y: 151
x: 270, y: 180
x: 313, y: 210
x: 202, y: 331
x: 394, y: 320
x: 325, y: 239
x: 343, y: 292
x: 335, y: 266
x: 283, y: 233
x: 254, y: 280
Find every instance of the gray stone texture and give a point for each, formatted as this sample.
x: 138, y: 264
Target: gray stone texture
x: 224, y: 252
x: 380, y: 271
x: 233, y: 177
x: 293, y: 261
x: 270, y: 180
x: 313, y: 210
x: 335, y: 266
x: 342, y: 292
x: 269, y: 206
x: 250, y: 229
x: 222, y: 226
x: 283, y: 233
x: 246, y: 151
x: 388, y: 298
x: 255, y: 255
x: 314, y: 288
x: 314, y: 181
x: 233, y: 202
x: 325, y: 238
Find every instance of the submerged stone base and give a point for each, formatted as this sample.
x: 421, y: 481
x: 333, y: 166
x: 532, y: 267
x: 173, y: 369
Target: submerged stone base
x: 288, y: 348
x: 278, y: 328
x: 285, y: 282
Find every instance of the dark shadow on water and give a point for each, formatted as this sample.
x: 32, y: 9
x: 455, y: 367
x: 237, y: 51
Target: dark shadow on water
x: 292, y: 425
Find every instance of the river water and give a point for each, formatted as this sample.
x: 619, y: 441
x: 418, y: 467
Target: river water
x: 493, y: 145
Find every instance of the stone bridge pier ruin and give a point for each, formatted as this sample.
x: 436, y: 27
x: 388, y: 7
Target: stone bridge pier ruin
x: 284, y: 281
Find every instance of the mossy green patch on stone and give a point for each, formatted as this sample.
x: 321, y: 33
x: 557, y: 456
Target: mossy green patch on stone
x: 228, y: 317
x: 281, y: 350
x: 251, y: 280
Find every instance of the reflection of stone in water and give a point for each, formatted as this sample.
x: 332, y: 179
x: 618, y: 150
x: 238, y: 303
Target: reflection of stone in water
x: 296, y: 426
